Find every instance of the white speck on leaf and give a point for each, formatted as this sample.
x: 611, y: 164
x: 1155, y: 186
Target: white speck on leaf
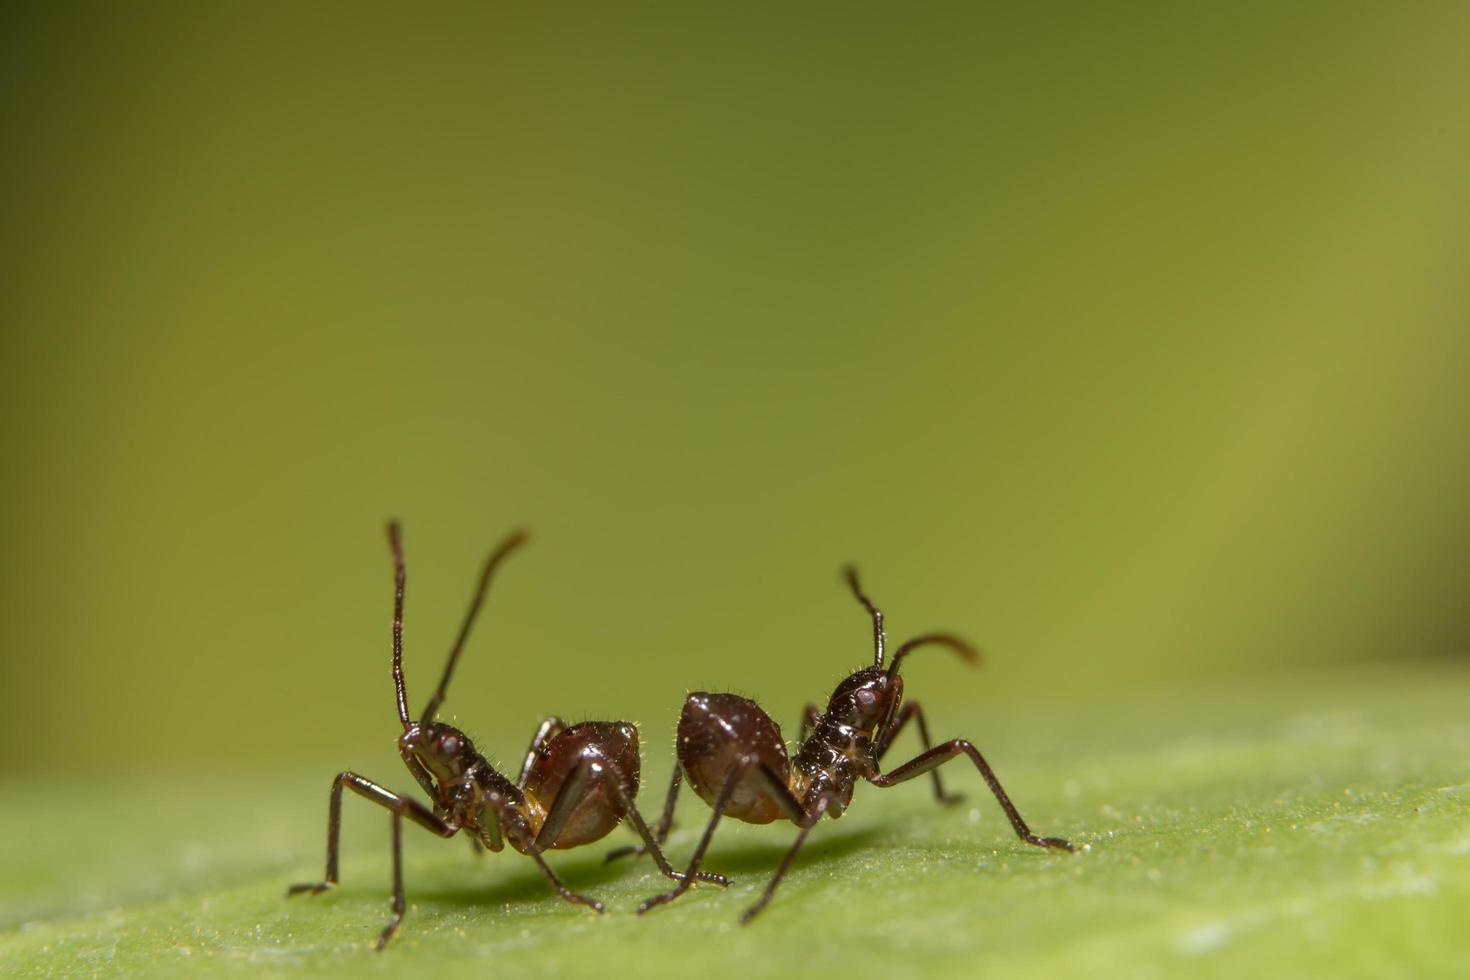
x: 1203, y: 939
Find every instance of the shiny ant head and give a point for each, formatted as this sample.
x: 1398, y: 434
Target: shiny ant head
x: 866, y: 699
x: 444, y: 751
x: 869, y: 698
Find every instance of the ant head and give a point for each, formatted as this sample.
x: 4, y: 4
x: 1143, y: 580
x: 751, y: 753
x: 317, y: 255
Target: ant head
x: 869, y: 699
x: 443, y: 750
x: 866, y: 699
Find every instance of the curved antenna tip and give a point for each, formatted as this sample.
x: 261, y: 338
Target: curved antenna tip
x: 509, y: 543
x: 958, y: 645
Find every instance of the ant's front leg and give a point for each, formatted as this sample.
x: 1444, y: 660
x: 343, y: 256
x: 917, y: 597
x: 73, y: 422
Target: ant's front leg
x: 911, y: 710
x: 398, y: 901
x: 401, y: 806
x: 938, y: 756
x: 665, y: 822
x: 420, y: 774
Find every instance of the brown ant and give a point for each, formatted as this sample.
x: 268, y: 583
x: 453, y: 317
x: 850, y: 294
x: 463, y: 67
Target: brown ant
x: 732, y: 753
x: 578, y: 782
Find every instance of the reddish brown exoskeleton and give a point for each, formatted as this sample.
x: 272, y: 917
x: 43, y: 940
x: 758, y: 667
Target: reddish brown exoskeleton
x: 733, y: 755
x: 578, y: 782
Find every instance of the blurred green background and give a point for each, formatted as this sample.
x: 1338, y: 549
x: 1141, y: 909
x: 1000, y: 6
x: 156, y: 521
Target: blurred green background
x: 1131, y: 343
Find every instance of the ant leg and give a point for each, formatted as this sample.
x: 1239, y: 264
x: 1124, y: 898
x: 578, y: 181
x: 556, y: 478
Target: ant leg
x: 912, y: 710
x: 420, y: 774
x: 571, y: 793
x: 665, y: 822
x: 567, y: 797
x: 574, y: 790
x: 398, y: 902
x: 938, y: 756
x: 561, y: 889
x: 774, y: 784
x: 369, y: 790
x: 650, y: 843
x: 726, y: 791
x: 549, y: 728
x: 809, y: 716
x: 818, y: 810
x: 401, y: 806
x: 487, y: 819
x: 495, y: 809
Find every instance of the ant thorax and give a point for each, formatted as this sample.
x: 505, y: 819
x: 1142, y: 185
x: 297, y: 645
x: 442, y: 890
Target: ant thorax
x: 820, y: 769
x: 487, y: 804
x: 463, y: 780
x: 841, y: 748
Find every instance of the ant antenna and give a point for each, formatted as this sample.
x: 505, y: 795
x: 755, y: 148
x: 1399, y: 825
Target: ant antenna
x: 512, y: 541
x: 395, y: 543
x: 966, y: 652
x: 851, y: 574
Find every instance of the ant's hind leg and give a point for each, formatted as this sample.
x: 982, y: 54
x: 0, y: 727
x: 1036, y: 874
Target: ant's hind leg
x: 665, y: 822
x: 938, y: 756
x: 562, y: 889
x: 726, y: 791
x: 778, y: 791
x: 815, y: 816
x: 650, y: 842
x: 911, y: 710
x: 567, y: 798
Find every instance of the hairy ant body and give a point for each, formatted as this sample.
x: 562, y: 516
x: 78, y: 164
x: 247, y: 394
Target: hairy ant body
x: 578, y: 782
x: 733, y: 755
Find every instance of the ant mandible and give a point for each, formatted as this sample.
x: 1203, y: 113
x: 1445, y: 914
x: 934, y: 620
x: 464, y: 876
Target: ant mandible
x: 578, y: 782
x: 732, y: 754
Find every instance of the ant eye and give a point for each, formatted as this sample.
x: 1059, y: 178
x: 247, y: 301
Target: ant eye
x: 449, y: 745
x: 866, y: 698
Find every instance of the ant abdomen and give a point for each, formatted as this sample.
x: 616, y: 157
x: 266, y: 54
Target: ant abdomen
x: 612, y: 743
x: 717, y: 733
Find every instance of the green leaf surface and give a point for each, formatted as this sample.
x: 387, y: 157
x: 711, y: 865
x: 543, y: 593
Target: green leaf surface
x: 1286, y: 825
